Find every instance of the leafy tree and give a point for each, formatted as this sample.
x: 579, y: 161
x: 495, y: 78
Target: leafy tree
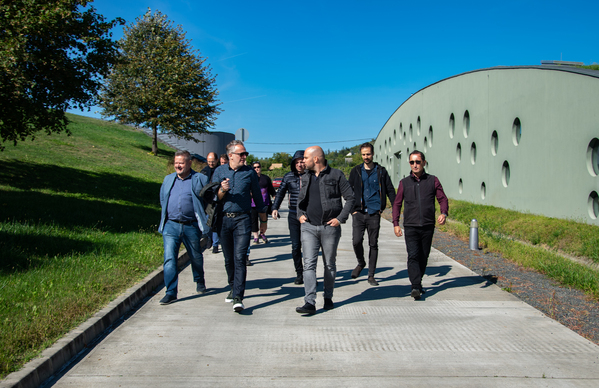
x: 160, y: 82
x: 52, y: 57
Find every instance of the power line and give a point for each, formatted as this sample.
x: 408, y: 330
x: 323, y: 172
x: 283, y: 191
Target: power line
x: 307, y: 142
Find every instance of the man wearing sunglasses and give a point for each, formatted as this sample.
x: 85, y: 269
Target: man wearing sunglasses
x: 238, y: 185
x: 418, y: 191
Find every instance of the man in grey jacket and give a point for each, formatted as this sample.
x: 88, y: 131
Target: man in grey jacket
x: 321, y: 213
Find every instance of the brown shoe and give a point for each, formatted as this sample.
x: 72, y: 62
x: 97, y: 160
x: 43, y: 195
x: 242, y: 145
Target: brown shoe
x: 372, y: 282
x: 356, y: 272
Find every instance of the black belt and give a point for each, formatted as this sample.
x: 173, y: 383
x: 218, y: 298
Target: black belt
x: 233, y: 215
x: 188, y: 223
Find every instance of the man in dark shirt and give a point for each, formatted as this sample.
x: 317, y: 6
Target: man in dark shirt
x: 372, y: 185
x: 238, y: 184
x: 418, y: 191
x: 212, y: 160
x: 291, y: 184
x: 321, y: 213
x: 183, y: 220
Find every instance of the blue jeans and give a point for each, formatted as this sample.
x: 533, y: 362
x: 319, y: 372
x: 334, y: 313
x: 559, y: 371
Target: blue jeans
x: 295, y: 233
x: 173, y: 235
x: 215, y: 240
x: 234, y: 237
x: 313, y: 238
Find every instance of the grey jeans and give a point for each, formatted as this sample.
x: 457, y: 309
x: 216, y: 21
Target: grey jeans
x: 313, y: 238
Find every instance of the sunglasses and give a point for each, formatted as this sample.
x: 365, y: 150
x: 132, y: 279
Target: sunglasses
x: 255, y: 167
x: 241, y: 154
x: 416, y: 161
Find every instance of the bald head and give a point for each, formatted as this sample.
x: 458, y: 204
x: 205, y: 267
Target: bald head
x: 314, y: 159
x: 212, y: 159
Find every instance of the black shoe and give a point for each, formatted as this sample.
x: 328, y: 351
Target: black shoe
x: 238, y: 305
x: 328, y: 304
x: 299, y: 279
x: 356, y: 272
x: 306, y: 309
x: 201, y: 288
x: 168, y: 299
x: 229, y: 297
x: 415, y: 293
x: 248, y: 262
x: 215, y: 249
x: 372, y: 281
x: 422, y: 291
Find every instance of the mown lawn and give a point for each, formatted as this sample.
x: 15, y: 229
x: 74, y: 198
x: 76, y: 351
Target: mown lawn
x: 78, y: 219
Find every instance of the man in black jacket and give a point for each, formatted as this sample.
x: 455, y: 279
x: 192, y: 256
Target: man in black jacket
x: 291, y: 184
x: 418, y: 192
x: 212, y: 164
x: 321, y: 212
x: 372, y: 186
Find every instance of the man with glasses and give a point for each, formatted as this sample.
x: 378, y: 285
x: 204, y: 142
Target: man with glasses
x: 238, y: 184
x: 418, y: 191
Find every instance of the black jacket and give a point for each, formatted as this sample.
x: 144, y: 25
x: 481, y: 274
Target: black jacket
x: 332, y: 185
x: 290, y: 184
x: 386, y: 188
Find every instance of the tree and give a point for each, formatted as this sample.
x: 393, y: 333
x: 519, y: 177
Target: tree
x: 160, y: 82
x: 52, y: 58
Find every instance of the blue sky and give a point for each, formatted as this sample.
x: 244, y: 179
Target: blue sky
x: 331, y: 73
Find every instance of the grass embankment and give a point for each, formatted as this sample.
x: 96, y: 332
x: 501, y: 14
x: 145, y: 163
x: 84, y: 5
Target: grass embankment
x: 77, y: 227
x: 504, y: 231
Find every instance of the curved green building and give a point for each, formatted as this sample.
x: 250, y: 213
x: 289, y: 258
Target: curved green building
x: 521, y: 138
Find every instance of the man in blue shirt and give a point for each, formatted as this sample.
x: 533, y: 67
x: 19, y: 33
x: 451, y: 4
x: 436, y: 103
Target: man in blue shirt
x: 183, y: 220
x: 372, y: 186
x: 238, y: 185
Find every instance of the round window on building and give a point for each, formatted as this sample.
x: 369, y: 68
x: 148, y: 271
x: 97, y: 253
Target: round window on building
x: 593, y: 157
x: 473, y: 153
x: 516, y: 131
x: 418, y: 126
x: 466, y: 124
x: 430, y: 136
x: 458, y: 153
x: 389, y: 144
x: 483, y: 190
x: 425, y: 146
x: 401, y: 134
x: 411, y: 133
x: 451, y: 126
x: 460, y: 186
x: 494, y: 143
x: 394, y: 136
x: 593, y: 204
x: 505, y: 174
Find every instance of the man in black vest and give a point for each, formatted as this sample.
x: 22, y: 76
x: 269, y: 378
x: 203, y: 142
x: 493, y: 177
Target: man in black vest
x: 418, y: 191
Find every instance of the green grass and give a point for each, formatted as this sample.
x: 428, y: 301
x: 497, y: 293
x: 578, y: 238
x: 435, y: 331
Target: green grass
x: 500, y: 230
x: 78, y: 219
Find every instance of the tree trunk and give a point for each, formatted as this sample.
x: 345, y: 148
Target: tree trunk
x: 155, y: 141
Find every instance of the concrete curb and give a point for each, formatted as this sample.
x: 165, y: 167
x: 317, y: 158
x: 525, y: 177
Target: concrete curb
x: 38, y: 370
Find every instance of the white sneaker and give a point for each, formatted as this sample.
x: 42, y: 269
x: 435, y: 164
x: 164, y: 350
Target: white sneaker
x: 237, y: 305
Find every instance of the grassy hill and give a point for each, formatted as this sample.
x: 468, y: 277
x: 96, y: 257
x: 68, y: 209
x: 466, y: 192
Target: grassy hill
x: 78, y: 219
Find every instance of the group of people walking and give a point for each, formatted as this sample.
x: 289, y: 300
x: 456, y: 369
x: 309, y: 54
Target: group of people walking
x: 218, y: 204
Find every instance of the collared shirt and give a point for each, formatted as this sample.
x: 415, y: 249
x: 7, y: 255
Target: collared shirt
x: 371, y: 196
x: 243, y: 185
x: 180, y: 205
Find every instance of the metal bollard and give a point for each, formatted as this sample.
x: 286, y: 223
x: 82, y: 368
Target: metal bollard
x: 474, y: 235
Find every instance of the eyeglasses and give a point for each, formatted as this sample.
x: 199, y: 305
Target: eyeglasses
x: 416, y: 161
x: 255, y: 167
x: 241, y: 154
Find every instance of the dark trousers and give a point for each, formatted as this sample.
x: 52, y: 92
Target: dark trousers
x: 234, y: 234
x: 418, y: 245
x: 371, y: 223
x: 295, y: 233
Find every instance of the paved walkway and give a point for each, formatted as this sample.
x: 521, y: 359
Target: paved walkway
x: 465, y: 331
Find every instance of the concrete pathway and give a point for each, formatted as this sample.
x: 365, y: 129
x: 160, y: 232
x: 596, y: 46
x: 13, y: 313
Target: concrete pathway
x: 464, y: 332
